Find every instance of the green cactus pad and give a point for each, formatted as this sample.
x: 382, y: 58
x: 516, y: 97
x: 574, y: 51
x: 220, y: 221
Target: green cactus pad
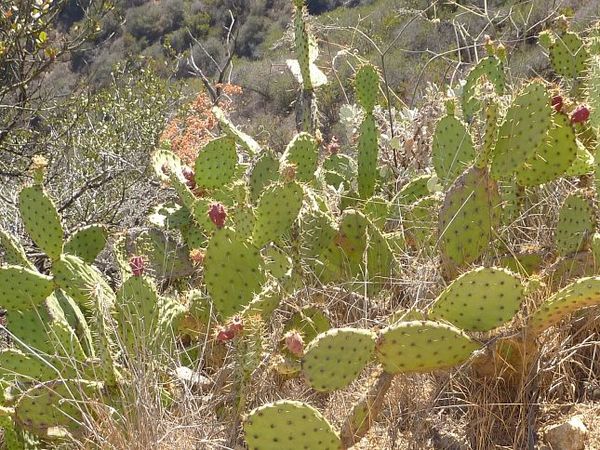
x: 490, y: 135
x: 82, y: 282
x: 302, y: 152
x: 54, y: 404
x: 186, y: 196
x: 523, y: 263
x: 232, y: 272
x: 242, y: 139
x: 419, y: 222
x: 469, y: 214
x: 583, y: 293
x: 17, y: 364
x: 263, y: 173
x: 309, y: 322
x: 338, y: 169
x: 379, y: 259
x: 317, y: 231
x: 480, y: 300
x: 277, y: 210
x: 366, y: 86
x: 265, y: 302
x: 289, y: 425
x: 422, y: 346
x: 568, y: 55
x: 41, y: 220
x: 592, y: 90
x: 335, y: 358
x: 417, y: 188
x: 304, y: 46
x: 165, y: 163
x: 137, y: 312
x: 22, y: 289
x: 523, y: 130
x: 491, y: 68
x: 554, y: 157
x: 76, y: 321
x: 216, y: 163
x: 584, y: 163
x: 13, y: 251
x: 575, y: 225
x: 377, y: 209
x: 87, y: 242
x: 452, y: 149
x: 277, y: 262
x: 367, y: 150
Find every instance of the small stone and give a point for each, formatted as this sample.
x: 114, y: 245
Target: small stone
x: 569, y: 435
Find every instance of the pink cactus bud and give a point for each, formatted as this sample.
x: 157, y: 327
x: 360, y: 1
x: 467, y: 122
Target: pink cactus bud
x: 224, y: 334
x: 294, y: 343
x: 580, y: 115
x: 190, y: 177
x: 217, y: 214
x: 557, y: 103
x: 136, y: 263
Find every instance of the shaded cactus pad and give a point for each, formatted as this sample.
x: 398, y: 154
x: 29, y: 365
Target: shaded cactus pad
x: 422, y: 346
x: 289, y: 425
x: 575, y: 225
x: 87, y: 242
x: 480, y: 300
x: 215, y: 164
x: 335, y: 358
x: 452, y: 149
x: 22, y: 288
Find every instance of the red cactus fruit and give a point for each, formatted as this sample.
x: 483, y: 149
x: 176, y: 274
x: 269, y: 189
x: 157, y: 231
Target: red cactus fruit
x: 217, y: 214
x: 233, y: 328
x: 580, y: 115
x: 294, y: 343
x: 190, y: 177
x: 557, y: 103
x: 136, y: 263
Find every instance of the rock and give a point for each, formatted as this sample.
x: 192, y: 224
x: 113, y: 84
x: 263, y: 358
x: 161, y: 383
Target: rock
x: 192, y: 379
x: 569, y: 435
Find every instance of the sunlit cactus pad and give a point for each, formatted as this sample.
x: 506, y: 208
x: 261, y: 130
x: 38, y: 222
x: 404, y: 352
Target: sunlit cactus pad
x: 422, y: 346
x: 335, y: 358
x: 480, y: 300
x: 289, y: 425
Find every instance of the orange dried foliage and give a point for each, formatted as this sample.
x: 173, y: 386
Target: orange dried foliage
x: 189, y: 131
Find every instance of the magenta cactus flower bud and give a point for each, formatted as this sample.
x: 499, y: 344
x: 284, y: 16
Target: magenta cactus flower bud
x: 580, y: 115
x: 136, y: 263
x: 294, y: 343
x: 217, y: 214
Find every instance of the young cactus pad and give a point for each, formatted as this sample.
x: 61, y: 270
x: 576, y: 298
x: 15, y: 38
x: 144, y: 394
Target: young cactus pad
x: 452, y: 149
x: 480, y: 300
x: 41, y: 220
x: 277, y: 210
x: 303, y: 153
x: 568, y: 55
x: 335, y: 358
x: 580, y: 294
x: 422, y: 346
x: 232, y: 271
x: 22, y: 289
x: 490, y: 68
x: 87, y: 242
x: 215, y: 164
x: 262, y: 174
x: 523, y: 130
x: 289, y: 425
x: 366, y: 86
x: 575, y: 225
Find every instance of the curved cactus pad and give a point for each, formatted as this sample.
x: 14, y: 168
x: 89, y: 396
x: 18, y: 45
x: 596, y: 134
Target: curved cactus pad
x: 335, y: 358
x: 232, y: 271
x: 523, y: 130
x: 166, y: 163
x: 278, y: 208
x: 41, y: 220
x: 215, y: 164
x: 263, y: 173
x: 413, y: 190
x: 491, y: 68
x: 583, y: 293
x: 302, y: 152
x: 22, y: 289
x: 339, y: 168
x: 16, y: 364
x: 452, y: 149
x: 575, y: 225
x: 54, y: 404
x: 289, y: 425
x: 87, y: 242
x: 467, y: 218
x: 422, y: 346
x: 14, y: 253
x: 366, y: 86
x: 309, y: 322
x: 231, y: 130
x: 480, y: 300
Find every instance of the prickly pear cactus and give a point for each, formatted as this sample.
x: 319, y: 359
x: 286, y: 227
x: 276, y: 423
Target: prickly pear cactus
x: 309, y: 322
x: 523, y: 130
x: 41, y: 220
x: 492, y: 69
x: 480, y: 300
x: 368, y: 150
x: 583, y: 293
x: 216, y: 163
x: 379, y: 260
x: 232, y: 271
x: 277, y: 209
x: 289, y: 425
x: 417, y: 188
x: 470, y: 212
x: 452, y: 149
x: 22, y: 288
x: 592, y: 90
x: 422, y: 346
x: 242, y: 139
x: 554, y: 157
x: 568, y: 55
x: 575, y: 225
x: 366, y: 85
x: 419, y: 222
x: 87, y: 242
x: 335, y: 358
x: 303, y: 153
x: 338, y: 169
x: 13, y: 251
